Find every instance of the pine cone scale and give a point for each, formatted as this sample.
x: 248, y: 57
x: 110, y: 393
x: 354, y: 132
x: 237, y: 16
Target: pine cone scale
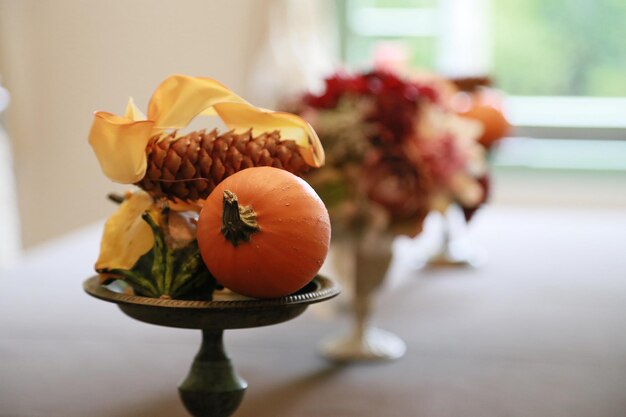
x: 189, y: 167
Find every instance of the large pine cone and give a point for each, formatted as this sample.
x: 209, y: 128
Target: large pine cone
x: 189, y: 167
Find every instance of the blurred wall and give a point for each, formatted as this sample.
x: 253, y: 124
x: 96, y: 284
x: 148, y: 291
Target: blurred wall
x: 64, y: 59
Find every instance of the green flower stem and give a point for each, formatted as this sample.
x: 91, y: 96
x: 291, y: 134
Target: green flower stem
x: 201, y: 284
x: 169, y: 252
x: 188, y: 270
x: 146, y: 287
x: 159, y: 252
x: 169, y: 270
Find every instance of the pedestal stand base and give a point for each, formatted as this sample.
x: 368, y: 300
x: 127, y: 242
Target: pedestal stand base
x: 459, y: 253
x: 370, y: 345
x: 212, y: 387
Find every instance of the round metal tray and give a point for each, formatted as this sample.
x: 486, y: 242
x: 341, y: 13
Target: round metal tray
x: 227, y: 310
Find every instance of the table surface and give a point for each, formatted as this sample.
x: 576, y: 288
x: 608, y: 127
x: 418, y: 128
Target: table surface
x: 536, y: 331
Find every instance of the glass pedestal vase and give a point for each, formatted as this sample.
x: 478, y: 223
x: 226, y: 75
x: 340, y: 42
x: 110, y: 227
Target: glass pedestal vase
x: 212, y: 387
x: 365, y: 261
x: 453, y: 246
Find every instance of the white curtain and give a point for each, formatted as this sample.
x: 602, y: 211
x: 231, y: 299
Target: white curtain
x: 299, y: 49
x: 9, y: 226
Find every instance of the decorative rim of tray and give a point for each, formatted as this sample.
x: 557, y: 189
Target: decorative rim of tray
x: 319, y: 289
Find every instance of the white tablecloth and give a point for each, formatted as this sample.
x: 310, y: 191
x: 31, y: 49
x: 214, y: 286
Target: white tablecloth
x: 539, y: 330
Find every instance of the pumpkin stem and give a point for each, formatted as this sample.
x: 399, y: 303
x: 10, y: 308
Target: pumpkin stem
x: 238, y: 223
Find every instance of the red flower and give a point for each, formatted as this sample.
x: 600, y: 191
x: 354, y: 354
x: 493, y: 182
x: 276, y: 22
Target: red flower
x: 408, y: 154
x: 441, y: 157
x: 394, y: 183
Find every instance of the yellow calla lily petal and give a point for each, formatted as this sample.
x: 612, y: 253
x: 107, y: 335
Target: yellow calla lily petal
x: 243, y: 116
x: 120, y: 146
x: 181, y: 98
x: 315, y: 156
x: 120, y: 142
x: 126, y: 235
x: 133, y: 112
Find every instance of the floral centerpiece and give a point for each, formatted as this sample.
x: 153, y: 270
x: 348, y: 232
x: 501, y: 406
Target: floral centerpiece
x: 157, y: 242
x: 395, y: 150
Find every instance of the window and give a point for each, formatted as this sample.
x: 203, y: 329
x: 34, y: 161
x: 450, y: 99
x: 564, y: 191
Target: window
x: 561, y: 62
x: 411, y: 25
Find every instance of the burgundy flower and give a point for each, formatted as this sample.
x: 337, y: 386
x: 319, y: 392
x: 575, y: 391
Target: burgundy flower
x: 336, y: 86
x: 394, y: 183
x: 408, y: 155
x: 441, y: 157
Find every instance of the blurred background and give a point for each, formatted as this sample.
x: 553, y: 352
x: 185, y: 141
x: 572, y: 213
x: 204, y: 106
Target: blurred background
x: 558, y: 64
x: 537, y: 330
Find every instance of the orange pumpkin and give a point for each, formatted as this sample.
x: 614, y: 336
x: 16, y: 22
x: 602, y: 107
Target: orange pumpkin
x: 263, y: 232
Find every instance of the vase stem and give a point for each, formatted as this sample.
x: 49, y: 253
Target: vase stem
x: 361, y: 314
x: 455, y: 248
x: 212, y: 388
x: 371, y: 257
x: 212, y: 348
x: 445, y: 233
